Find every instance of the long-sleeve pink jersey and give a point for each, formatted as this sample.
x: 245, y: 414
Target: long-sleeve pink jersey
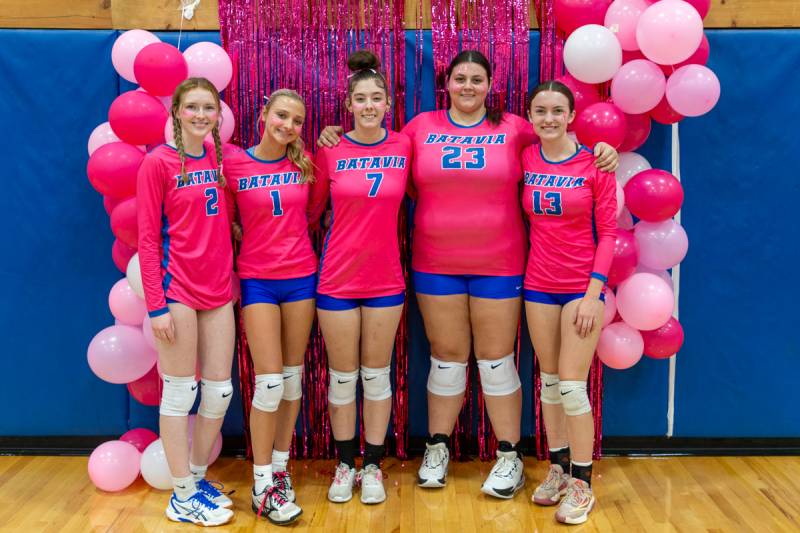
x: 272, y: 206
x: 571, y: 206
x: 185, y: 249
x: 366, y: 183
x: 467, y: 219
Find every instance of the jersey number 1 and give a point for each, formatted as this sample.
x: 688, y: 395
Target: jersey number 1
x: 277, y: 210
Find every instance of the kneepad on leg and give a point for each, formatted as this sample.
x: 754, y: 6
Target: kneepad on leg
x: 499, y: 377
x: 215, y: 397
x: 574, y: 398
x: 178, y: 395
x: 342, y: 387
x: 377, y: 383
x: 550, y: 392
x: 292, y: 382
x: 447, y: 378
x: 268, y: 393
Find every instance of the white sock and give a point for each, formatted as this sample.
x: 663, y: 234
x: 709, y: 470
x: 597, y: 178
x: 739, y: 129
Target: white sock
x: 199, y: 472
x: 262, y: 475
x: 279, y: 460
x: 184, y: 487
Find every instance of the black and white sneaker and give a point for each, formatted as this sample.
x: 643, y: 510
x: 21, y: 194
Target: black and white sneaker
x: 506, y: 477
x: 272, y: 504
x: 198, y: 510
x: 433, y: 470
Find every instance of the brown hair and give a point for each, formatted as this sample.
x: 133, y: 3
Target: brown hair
x: 365, y: 65
x: 184, y: 87
x: 556, y: 87
x: 493, y: 114
x: 295, y: 150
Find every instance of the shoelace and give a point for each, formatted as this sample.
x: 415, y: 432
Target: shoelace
x: 504, y: 467
x: 553, y: 479
x: 576, y: 495
x: 210, y: 488
x: 199, y: 500
x: 272, y: 493
x: 371, y: 470
x: 281, y: 479
x: 433, y: 457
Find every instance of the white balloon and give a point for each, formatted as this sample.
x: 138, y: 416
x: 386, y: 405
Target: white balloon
x: 134, y: 275
x: 155, y: 469
x: 630, y: 164
x: 592, y: 54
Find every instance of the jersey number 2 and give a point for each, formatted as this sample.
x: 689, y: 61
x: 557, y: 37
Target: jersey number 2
x: 212, y: 199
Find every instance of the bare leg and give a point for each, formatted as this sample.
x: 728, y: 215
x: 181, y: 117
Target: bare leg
x: 342, y: 331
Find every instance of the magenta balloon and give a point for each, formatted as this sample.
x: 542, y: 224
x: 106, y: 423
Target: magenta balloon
x: 702, y: 6
x: 601, y: 122
x: 669, y: 31
x: 625, y: 220
x: 636, y: 133
x: 110, y: 203
x: 125, y: 305
x: 585, y: 94
x: 693, y: 90
x: 147, y: 389
x: 125, y: 48
x: 139, y: 437
x: 653, y: 195
x: 622, y: 17
x: 137, y: 117
x: 645, y: 301
x: 665, y: 341
x: 160, y: 68
x: 699, y: 57
x: 124, y: 225
x: 119, y: 354
x: 112, y: 169
x: 210, y: 61
x: 114, y: 465
x: 610, y: 309
x: 121, y: 253
x: 572, y: 14
x: 638, y: 86
x: 661, y: 245
x: 625, y: 257
x: 620, y: 346
x: 664, y: 114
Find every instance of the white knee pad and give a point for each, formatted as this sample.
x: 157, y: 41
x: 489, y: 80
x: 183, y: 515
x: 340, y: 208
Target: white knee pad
x: 268, y: 393
x: 550, y: 392
x: 178, y: 395
x: 499, y: 377
x: 446, y: 378
x: 377, y: 383
x: 342, y: 387
x: 215, y: 397
x: 574, y: 398
x: 292, y: 382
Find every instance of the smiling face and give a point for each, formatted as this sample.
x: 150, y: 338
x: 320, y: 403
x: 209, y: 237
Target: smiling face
x: 550, y: 114
x: 283, y: 119
x: 368, y: 102
x: 468, y: 86
x: 198, y: 112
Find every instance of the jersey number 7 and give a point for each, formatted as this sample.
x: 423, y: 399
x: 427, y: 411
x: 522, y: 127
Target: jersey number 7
x: 376, y: 178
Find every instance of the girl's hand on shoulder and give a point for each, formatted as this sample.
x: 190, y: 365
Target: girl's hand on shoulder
x: 607, y: 157
x: 330, y: 136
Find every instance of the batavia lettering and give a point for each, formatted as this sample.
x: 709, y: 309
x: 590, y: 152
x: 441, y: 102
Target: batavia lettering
x: 269, y: 180
x: 442, y: 138
x: 371, y: 163
x: 549, y: 180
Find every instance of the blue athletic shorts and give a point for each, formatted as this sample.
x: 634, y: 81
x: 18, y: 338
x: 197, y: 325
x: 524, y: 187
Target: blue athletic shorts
x: 329, y: 303
x: 278, y: 291
x: 495, y: 287
x: 555, y: 298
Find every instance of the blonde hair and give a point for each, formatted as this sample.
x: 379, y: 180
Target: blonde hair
x: 295, y: 150
x: 184, y: 87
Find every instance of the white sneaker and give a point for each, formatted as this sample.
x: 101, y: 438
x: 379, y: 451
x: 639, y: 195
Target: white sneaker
x: 212, y: 490
x: 198, y: 510
x: 577, y: 504
x: 506, y: 477
x: 272, y: 503
x: 283, y: 480
x: 341, y: 489
x: 554, y: 486
x: 371, y: 479
x: 433, y: 470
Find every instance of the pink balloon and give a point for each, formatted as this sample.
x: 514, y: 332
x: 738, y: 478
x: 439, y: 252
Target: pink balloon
x: 693, y: 90
x: 125, y: 305
x: 665, y: 341
x: 110, y: 203
x: 210, y: 61
x: 663, y: 274
x: 601, y: 122
x: 125, y: 49
x: 147, y: 331
x: 114, y: 465
x: 119, y: 354
x: 636, y: 133
x: 139, y: 437
x: 622, y: 17
x: 121, y: 253
x: 625, y: 257
x: 669, y: 31
x: 638, y: 86
x: 664, y: 114
x: 645, y: 301
x: 215, y: 449
x: 137, y: 117
x: 572, y: 14
x: 653, y: 195
x: 610, y: 309
x: 112, y: 169
x: 620, y: 199
x: 620, y: 346
x: 702, y: 6
x: 147, y: 389
x: 662, y: 245
x: 699, y: 57
x: 102, y: 134
x: 630, y: 164
x: 160, y: 68
x: 625, y: 220
x: 124, y: 225
x: 585, y: 94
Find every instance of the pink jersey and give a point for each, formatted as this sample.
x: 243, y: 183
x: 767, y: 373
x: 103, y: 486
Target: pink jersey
x: 468, y: 219
x: 366, y: 183
x: 185, y: 249
x: 273, y: 208
x: 572, y: 209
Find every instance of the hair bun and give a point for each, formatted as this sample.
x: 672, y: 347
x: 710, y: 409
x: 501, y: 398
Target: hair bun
x: 362, y: 60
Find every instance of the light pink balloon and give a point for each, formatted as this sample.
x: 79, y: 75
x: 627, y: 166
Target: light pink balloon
x: 125, y: 49
x: 620, y: 199
x: 125, y: 305
x: 638, y: 86
x: 610, y: 309
x: 119, y: 354
x: 622, y: 17
x: 210, y: 61
x: 620, y: 346
x: 215, y: 449
x: 669, y: 31
x: 114, y: 465
x: 592, y: 54
x: 625, y: 219
x: 662, y: 245
x: 147, y: 331
x: 630, y: 164
x: 663, y: 274
x: 645, y: 301
x: 102, y: 134
x: 693, y: 90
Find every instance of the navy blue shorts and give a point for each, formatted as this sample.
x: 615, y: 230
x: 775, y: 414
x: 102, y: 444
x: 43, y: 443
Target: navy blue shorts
x: 555, y: 298
x: 495, y: 287
x: 278, y: 291
x: 329, y: 303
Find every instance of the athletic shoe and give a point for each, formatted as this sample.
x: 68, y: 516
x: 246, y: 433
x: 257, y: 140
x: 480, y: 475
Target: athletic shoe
x: 506, y: 477
x: 577, y: 504
x: 554, y: 486
x: 433, y: 470
x: 341, y: 489
x: 371, y: 480
x: 272, y: 504
x: 283, y: 480
x: 198, y: 510
x: 212, y: 490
